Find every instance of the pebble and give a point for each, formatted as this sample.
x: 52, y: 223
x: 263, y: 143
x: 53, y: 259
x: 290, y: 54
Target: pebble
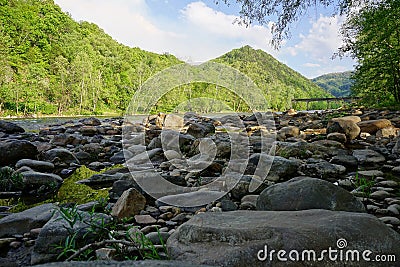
x: 380, y: 195
x: 391, y: 220
x: 145, y: 219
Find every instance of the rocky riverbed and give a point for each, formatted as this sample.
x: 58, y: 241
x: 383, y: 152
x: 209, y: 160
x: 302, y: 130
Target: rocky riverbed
x: 320, y: 177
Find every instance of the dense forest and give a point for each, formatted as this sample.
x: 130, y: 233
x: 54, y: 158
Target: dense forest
x: 338, y: 84
x: 51, y: 64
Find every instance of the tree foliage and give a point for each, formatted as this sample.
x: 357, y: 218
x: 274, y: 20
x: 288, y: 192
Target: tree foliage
x: 284, y: 12
x: 372, y: 37
x: 51, y: 64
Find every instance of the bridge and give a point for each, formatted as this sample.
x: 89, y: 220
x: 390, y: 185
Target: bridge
x: 327, y: 99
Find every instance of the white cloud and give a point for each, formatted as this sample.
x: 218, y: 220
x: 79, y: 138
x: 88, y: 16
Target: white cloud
x: 311, y: 65
x: 322, y: 40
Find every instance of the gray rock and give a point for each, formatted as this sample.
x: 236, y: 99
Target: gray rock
x: 41, y: 166
x: 347, y: 127
x: 13, y: 150
x: 155, y: 237
x: 190, y: 201
x: 119, y: 157
x: 368, y: 157
x: 380, y: 195
x: 302, y: 193
x: 56, y: 230
x: 22, y: 222
x: 90, y: 121
x: 322, y: 169
x: 199, y: 130
x: 349, y: 161
x: 390, y: 220
x: 235, y: 238
x: 64, y: 155
x: 10, y: 127
x: 276, y: 168
x: 37, y: 179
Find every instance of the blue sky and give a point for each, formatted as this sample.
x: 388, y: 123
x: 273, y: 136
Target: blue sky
x: 197, y: 31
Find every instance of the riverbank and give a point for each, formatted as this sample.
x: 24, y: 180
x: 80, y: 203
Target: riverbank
x: 264, y: 178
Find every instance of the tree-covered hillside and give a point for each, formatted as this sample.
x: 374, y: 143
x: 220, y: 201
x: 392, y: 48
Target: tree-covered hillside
x: 279, y: 83
x: 51, y: 64
x: 338, y: 84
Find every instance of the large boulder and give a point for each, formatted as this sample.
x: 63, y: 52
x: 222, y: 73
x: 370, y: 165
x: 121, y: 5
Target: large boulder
x: 22, y: 222
x: 303, y: 193
x: 239, y: 238
x: 13, y: 150
x: 10, y: 127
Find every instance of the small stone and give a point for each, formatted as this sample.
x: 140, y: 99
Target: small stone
x: 167, y: 215
x: 228, y: 205
x: 145, y: 219
x: 216, y: 209
x: 372, y: 208
x: 171, y: 223
x: 370, y: 173
x: 380, y: 195
x: 129, y: 204
x: 150, y: 228
x: 29, y: 243
x: 390, y: 220
x: 394, y: 209
x: 339, y: 137
x: 158, y: 238
x: 182, y: 217
x: 15, y: 244
x: 387, y: 183
x: 5, y: 242
x: 105, y: 253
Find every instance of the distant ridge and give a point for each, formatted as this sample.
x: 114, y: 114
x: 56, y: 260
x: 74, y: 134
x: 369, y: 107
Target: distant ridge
x: 279, y: 83
x: 338, y: 84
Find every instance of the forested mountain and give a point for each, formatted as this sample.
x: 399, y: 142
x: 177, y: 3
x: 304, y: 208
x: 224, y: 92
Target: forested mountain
x: 338, y: 84
x: 51, y: 64
x: 279, y: 83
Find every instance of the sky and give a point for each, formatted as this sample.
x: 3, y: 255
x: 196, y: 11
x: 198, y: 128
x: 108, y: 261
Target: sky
x: 197, y: 31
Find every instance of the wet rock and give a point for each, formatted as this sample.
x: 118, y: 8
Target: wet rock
x: 13, y: 150
x: 302, y: 193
